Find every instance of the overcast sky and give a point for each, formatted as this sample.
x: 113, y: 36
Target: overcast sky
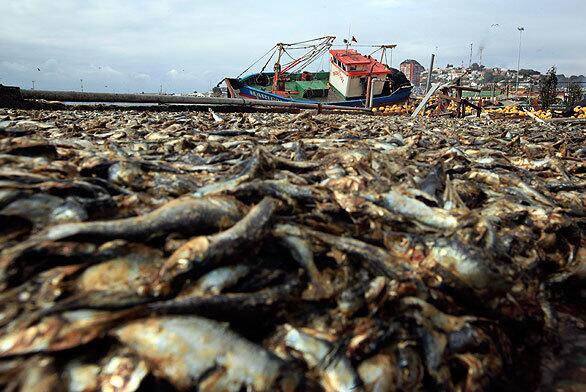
x: 187, y: 45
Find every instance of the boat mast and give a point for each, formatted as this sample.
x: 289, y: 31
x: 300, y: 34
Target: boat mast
x: 384, y: 52
x: 277, y: 67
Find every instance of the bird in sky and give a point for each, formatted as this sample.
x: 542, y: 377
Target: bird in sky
x: 38, y: 69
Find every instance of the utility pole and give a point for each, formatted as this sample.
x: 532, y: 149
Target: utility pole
x: 81, y: 83
x: 470, y: 60
x: 33, y: 84
x: 521, y: 29
x: 480, y: 50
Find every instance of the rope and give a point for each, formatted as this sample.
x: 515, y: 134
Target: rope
x: 287, y: 53
x: 321, y: 62
x: 267, y: 63
x: 311, y: 40
x: 253, y: 64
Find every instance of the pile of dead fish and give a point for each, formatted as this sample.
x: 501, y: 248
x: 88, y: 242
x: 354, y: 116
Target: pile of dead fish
x: 276, y: 252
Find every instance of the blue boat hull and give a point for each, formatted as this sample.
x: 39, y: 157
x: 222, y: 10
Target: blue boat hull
x: 398, y: 95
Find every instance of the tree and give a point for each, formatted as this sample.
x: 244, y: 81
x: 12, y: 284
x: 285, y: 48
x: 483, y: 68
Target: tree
x: 548, y: 88
x: 574, y: 94
x: 476, y: 67
x: 528, y: 72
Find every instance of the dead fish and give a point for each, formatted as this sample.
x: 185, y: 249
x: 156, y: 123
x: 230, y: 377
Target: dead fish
x: 416, y: 289
x: 122, y: 371
x: 411, y: 371
x: 69, y: 212
x: 230, y: 305
x: 39, y: 292
x: 22, y: 261
x: 299, y: 151
x: 215, y: 281
x: 479, y: 370
x: 284, y: 163
x: 376, y: 260
x: 195, y: 352
x: 37, y: 209
x: 81, y: 375
x: 434, y: 183
x: 207, y: 251
x: 414, y: 209
x: 127, y: 174
x: 379, y: 373
x: 230, y: 132
x: 189, y: 215
x: 276, y: 188
x: 118, y: 283
x: 338, y: 376
x: 470, y: 266
x: 248, y: 171
x: 292, y: 238
x: 56, y: 333
x: 7, y: 196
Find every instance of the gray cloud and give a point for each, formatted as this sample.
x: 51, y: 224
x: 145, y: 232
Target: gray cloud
x: 186, y: 45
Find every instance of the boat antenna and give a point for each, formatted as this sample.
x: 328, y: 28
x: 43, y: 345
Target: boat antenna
x: 348, y: 39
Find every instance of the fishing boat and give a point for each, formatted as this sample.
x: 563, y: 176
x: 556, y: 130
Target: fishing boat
x: 353, y: 80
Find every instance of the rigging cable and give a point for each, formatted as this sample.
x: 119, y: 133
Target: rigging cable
x: 267, y: 63
x: 324, y: 38
x: 253, y: 64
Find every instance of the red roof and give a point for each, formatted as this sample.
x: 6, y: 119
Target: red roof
x: 351, y: 57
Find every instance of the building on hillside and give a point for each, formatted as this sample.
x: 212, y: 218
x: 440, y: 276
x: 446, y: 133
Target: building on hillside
x: 412, y: 69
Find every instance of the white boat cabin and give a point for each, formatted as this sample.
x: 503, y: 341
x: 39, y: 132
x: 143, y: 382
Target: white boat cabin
x: 350, y: 71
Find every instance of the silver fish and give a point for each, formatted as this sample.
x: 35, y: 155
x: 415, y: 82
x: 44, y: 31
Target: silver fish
x: 196, y: 352
x: 339, y: 376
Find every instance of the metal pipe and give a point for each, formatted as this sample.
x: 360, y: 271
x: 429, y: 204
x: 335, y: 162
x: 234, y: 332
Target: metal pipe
x: 428, y: 85
x: 371, y: 95
x: 368, y: 90
x: 76, y: 96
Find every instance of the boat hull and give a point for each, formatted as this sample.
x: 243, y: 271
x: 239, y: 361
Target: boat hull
x: 399, y: 95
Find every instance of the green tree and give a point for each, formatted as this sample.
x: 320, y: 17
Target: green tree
x: 574, y: 94
x: 548, y: 88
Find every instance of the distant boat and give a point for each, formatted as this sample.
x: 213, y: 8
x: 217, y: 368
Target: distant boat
x: 349, y: 82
